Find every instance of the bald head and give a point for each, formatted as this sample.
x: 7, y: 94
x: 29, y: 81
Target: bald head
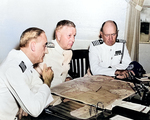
x: 109, y: 22
x: 109, y: 32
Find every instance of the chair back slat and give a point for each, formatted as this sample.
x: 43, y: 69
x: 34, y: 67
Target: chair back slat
x: 79, y: 63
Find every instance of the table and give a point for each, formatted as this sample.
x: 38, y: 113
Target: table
x: 86, y: 86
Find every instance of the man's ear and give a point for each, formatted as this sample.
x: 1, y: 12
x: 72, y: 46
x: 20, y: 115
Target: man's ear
x: 101, y: 33
x: 58, y: 34
x: 117, y: 32
x: 32, y: 45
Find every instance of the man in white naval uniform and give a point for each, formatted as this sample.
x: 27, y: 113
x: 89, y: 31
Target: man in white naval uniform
x: 60, y: 54
x: 109, y: 56
x: 18, y: 87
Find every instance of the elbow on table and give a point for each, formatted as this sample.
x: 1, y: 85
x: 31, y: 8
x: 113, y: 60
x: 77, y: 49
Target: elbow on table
x: 35, y: 112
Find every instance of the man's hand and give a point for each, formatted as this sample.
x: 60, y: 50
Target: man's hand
x: 122, y: 74
x: 21, y: 113
x: 47, y: 75
x: 68, y: 79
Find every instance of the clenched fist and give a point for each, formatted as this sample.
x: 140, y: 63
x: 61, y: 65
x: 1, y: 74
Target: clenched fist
x: 47, y: 75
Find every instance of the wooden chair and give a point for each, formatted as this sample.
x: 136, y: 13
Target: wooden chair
x: 79, y: 63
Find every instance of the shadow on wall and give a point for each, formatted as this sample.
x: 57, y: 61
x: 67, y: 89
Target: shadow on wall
x: 81, y: 44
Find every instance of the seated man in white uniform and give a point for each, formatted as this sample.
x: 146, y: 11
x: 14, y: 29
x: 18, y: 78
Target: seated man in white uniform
x: 60, y: 54
x: 20, y: 85
x: 109, y: 56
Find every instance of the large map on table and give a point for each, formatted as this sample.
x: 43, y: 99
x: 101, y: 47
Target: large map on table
x: 94, y: 89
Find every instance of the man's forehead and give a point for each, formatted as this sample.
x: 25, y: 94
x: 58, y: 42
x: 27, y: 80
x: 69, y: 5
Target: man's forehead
x: 111, y: 29
x: 68, y: 29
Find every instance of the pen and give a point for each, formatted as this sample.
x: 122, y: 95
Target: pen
x: 98, y: 88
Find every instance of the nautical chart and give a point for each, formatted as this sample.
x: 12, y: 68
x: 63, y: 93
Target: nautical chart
x: 93, y: 89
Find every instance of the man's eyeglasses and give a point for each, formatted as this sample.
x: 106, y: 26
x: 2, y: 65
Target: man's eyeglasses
x: 112, y: 35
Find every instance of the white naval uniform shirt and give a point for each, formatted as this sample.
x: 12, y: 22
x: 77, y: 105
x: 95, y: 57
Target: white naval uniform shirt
x: 59, y: 60
x: 16, y: 77
x: 102, y: 56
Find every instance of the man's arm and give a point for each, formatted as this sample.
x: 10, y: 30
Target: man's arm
x: 31, y: 103
x: 121, y: 71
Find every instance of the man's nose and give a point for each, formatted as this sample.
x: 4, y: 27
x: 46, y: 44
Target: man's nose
x: 73, y: 39
x: 46, y: 50
x: 110, y: 37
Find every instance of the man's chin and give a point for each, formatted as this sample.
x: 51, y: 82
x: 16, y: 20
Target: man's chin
x: 110, y: 44
x: 69, y: 47
x: 40, y: 61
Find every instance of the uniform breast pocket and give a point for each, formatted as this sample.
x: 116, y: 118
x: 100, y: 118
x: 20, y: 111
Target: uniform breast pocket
x: 117, y: 59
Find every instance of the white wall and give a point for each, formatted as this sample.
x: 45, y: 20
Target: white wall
x: 88, y: 15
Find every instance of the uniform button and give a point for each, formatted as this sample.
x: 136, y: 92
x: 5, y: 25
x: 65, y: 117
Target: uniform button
x: 62, y: 63
x: 15, y: 118
x: 111, y: 58
x: 110, y: 49
x: 61, y: 74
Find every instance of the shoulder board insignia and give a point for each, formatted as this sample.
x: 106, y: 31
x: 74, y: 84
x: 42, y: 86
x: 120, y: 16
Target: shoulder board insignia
x: 121, y: 41
x: 22, y: 66
x: 50, y: 45
x: 97, y: 42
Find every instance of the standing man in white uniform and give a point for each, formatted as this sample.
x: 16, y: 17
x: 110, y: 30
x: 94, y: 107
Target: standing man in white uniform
x: 60, y: 54
x: 109, y: 56
x: 19, y: 88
